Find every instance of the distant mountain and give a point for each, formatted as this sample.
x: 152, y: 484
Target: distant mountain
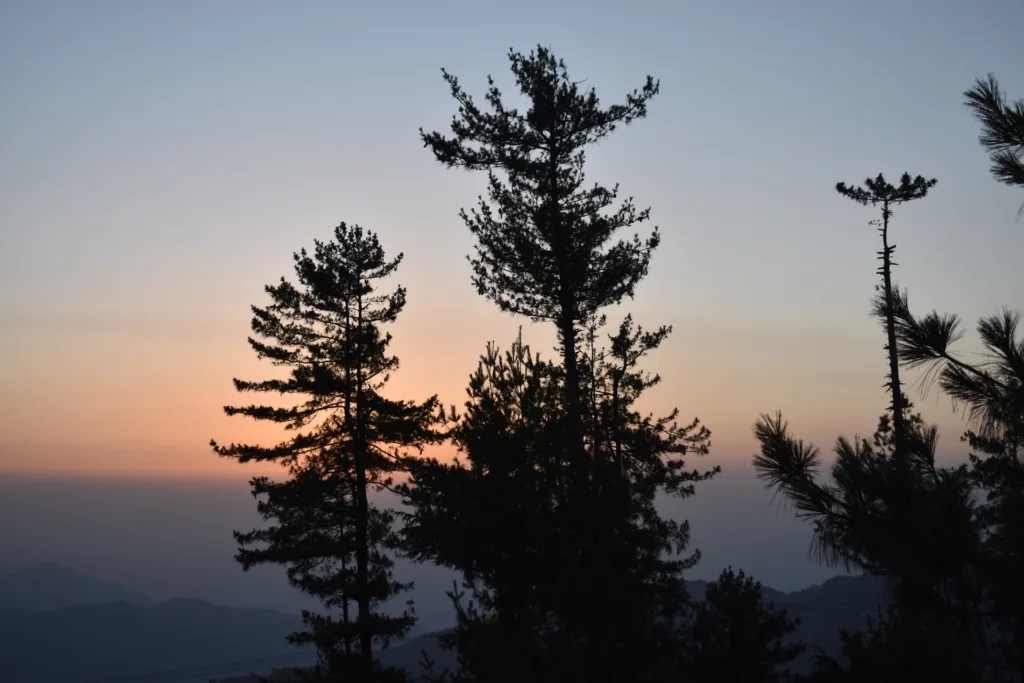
x: 50, y: 586
x: 58, y: 625
x: 842, y: 602
x: 193, y: 639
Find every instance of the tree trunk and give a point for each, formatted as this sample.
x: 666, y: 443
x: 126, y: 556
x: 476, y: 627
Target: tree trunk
x: 362, y: 569
x: 362, y: 519
x: 345, y: 616
x: 567, y: 328
x: 898, y: 418
x: 348, y: 422
x: 567, y: 325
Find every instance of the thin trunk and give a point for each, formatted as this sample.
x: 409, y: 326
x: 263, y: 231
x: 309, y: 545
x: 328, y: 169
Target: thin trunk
x: 572, y: 382
x: 596, y: 429
x: 616, y: 415
x: 362, y: 570
x: 348, y: 422
x: 344, y: 604
x: 362, y: 518
x: 898, y: 417
x: 562, y: 246
x: 581, y: 562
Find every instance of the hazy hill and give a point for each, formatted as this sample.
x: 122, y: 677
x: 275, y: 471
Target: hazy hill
x: 843, y: 602
x: 96, y: 642
x: 50, y: 586
x: 102, y: 631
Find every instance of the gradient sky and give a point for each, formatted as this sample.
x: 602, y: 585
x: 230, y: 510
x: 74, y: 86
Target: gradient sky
x: 160, y: 162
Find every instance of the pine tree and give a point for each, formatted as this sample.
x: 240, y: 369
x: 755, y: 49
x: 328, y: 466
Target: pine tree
x: 349, y: 439
x: 737, y: 637
x: 1002, y: 130
x: 544, y: 240
x: 902, y: 517
x: 596, y: 570
x: 624, y: 550
x: 879, y: 192
x: 491, y: 514
x: 992, y: 395
x: 532, y: 566
x: 890, y: 510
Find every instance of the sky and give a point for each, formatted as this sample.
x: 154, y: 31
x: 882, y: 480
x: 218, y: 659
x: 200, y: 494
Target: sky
x: 160, y: 163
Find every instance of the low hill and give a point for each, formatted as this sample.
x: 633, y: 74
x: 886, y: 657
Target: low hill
x: 51, y: 586
x: 62, y: 626
x: 188, y: 641
x: 843, y: 602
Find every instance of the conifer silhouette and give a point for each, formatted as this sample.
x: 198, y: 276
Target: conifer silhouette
x: 878, y: 192
x: 590, y: 587
x: 991, y: 394
x: 737, y: 637
x: 349, y: 439
x: 544, y: 240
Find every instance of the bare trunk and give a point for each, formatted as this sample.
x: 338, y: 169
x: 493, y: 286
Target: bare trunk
x: 898, y: 417
x: 615, y: 417
x: 597, y: 429
x: 345, y: 617
x: 348, y: 421
x: 572, y: 380
x: 362, y: 571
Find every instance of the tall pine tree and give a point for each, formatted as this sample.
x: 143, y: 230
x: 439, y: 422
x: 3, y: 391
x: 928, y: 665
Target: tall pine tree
x: 879, y: 192
x: 349, y: 440
x: 889, y: 509
x: 603, y: 598
x: 544, y: 240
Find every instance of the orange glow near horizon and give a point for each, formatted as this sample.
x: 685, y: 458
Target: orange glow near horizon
x: 149, y: 409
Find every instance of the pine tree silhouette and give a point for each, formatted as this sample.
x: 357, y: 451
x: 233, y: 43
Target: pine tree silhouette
x: 348, y: 440
x: 738, y: 638
x: 544, y: 245
x: 879, y: 192
x: 991, y: 394
x: 589, y: 585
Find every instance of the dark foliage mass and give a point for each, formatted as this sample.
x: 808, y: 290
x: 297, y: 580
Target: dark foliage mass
x: 949, y: 540
x: 567, y: 571
x: 736, y: 637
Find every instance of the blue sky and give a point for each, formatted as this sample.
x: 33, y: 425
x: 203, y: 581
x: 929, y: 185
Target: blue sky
x: 160, y: 162
x: 163, y: 160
